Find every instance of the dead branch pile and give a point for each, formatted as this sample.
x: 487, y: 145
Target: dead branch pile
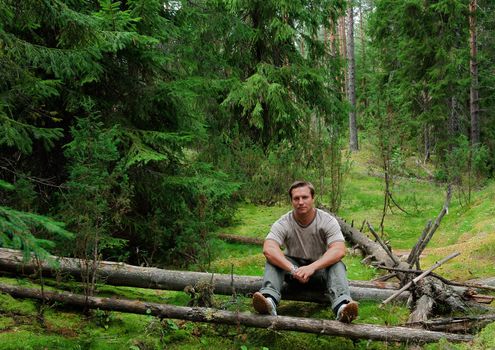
x: 430, y: 294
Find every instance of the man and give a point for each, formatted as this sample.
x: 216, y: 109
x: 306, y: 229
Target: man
x: 314, y: 249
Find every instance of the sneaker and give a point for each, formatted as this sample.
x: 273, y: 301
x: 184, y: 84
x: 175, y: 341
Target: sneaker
x: 347, y: 312
x: 264, y: 305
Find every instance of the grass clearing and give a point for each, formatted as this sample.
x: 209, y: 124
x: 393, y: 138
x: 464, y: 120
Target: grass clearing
x: 254, y: 220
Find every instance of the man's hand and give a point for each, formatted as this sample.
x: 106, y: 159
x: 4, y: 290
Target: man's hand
x: 334, y: 253
x: 304, y: 273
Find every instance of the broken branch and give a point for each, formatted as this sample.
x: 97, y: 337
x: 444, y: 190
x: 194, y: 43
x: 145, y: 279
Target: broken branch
x: 418, y: 278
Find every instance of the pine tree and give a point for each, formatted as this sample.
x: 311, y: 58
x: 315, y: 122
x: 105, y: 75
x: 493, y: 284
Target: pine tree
x: 19, y: 229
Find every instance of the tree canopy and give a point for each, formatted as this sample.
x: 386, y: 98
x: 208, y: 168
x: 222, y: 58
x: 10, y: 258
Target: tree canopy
x: 141, y: 123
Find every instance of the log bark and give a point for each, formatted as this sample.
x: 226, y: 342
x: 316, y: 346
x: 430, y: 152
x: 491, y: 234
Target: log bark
x: 120, y: 274
x: 456, y: 324
x: 240, y: 239
x: 392, y: 257
x: 355, y: 237
x: 209, y: 315
x: 422, y: 310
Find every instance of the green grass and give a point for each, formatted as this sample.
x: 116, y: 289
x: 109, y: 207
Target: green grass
x: 28, y: 339
x: 255, y: 221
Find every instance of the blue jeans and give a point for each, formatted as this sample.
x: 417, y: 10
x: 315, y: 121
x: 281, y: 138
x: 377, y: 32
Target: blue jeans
x: 333, y: 279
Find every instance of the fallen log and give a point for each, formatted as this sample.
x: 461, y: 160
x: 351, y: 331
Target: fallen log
x: 209, y: 315
x: 486, y: 282
x: 120, y: 274
x: 240, y: 239
x: 456, y: 324
x: 369, y: 247
x: 469, y: 293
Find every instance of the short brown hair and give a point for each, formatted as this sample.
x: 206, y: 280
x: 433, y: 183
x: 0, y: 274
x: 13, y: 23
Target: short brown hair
x: 298, y: 184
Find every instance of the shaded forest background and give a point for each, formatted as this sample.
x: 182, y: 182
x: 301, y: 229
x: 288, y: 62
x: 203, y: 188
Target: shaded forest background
x: 130, y: 130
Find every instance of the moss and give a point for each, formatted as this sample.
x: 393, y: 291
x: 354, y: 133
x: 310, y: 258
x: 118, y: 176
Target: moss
x: 9, y: 304
x: 28, y: 340
x: 486, y: 338
x: 255, y: 221
x: 6, y: 323
x: 357, y: 271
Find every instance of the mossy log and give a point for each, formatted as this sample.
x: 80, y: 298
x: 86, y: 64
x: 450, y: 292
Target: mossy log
x: 120, y: 274
x: 209, y: 315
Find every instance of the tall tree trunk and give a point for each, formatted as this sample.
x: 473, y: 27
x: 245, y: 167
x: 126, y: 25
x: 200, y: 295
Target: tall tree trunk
x: 351, y: 80
x: 427, y: 142
x: 473, y: 97
x: 363, y: 57
x: 343, y: 52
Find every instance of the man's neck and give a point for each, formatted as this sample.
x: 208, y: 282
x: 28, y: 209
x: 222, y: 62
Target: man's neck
x: 306, y: 219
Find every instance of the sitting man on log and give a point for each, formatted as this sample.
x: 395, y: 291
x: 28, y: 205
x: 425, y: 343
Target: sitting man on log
x: 314, y: 247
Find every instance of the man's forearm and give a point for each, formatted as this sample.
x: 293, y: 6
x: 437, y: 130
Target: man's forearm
x: 330, y: 257
x: 275, y: 256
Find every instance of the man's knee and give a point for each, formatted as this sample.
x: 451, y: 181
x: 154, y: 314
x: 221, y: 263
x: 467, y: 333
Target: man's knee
x: 337, y: 270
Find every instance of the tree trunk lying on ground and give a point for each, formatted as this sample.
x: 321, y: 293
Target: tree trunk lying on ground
x: 370, y: 248
x: 240, y: 239
x: 199, y: 314
x: 429, y: 293
x: 465, y: 324
x: 120, y: 274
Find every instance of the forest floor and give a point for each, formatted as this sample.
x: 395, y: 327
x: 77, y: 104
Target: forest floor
x: 468, y: 228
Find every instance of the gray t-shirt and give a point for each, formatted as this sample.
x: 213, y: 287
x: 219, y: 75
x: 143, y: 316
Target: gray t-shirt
x: 306, y: 242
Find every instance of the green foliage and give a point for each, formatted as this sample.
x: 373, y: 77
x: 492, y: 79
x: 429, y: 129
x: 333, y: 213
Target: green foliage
x: 17, y: 228
x: 420, y: 54
x: 103, y: 86
x: 465, y: 167
x: 275, y: 95
x: 21, y: 230
x: 183, y: 209
x: 98, y: 189
x: 6, y: 185
x: 17, y: 134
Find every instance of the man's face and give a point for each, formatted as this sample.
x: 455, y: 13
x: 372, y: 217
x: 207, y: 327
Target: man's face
x: 302, y: 201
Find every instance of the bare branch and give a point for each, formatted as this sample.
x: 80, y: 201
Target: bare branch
x: 411, y: 259
x: 384, y: 246
x: 418, y: 278
x: 436, y: 224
